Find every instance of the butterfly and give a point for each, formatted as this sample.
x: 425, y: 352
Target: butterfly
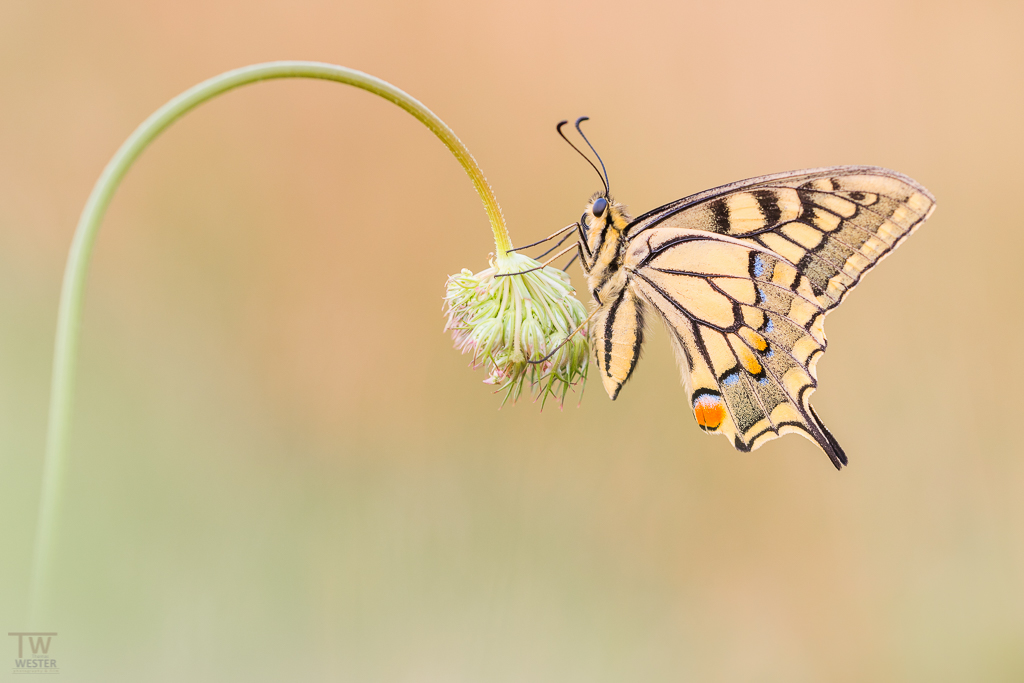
x: 743, y: 276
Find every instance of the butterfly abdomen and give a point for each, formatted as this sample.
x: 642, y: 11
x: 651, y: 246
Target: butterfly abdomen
x: 617, y: 334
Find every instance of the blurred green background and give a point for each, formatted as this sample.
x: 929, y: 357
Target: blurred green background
x: 282, y: 471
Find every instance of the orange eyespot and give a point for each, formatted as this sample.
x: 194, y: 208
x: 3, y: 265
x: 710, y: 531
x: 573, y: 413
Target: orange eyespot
x: 709, y: 411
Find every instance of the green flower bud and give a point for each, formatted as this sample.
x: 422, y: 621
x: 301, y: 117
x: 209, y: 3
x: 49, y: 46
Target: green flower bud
x: 505, y: 322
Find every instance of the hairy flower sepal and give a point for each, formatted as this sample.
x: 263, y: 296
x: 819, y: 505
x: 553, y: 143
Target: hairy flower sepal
x: 506, y: 320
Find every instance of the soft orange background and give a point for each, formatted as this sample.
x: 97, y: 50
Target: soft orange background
x: 282, y: 471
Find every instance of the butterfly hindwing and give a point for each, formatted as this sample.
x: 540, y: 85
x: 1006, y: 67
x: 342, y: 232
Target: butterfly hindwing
x: 747, y: 328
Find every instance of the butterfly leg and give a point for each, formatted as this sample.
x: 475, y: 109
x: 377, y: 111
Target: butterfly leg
x: 549, y: 237
x: 583, y: 242
x: 557, y: 245
x: 584, y: 259
x: 543, y: 265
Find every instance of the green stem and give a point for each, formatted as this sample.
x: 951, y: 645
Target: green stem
x: 70, y: 313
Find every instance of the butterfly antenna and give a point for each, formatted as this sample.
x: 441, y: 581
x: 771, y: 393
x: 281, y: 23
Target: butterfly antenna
x: 607, y: 185
x: 604, y: 178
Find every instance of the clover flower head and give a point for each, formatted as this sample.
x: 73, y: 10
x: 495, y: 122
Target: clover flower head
x: 504, y: 321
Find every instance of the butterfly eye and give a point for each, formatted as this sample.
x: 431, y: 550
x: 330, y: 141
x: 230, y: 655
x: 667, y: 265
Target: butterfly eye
x: 599, y: 206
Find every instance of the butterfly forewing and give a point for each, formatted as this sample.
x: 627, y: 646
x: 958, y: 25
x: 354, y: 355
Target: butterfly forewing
x: 832, y: 224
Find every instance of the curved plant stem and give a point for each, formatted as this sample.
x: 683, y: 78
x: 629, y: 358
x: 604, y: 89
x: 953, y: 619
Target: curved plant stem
x: 70, y: 312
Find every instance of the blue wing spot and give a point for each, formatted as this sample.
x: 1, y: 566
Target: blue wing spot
x: 759, y: 265
x: 730, y: 379
x: 769, y: 326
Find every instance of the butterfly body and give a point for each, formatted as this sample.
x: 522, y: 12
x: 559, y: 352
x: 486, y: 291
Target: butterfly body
x: 743, y: 276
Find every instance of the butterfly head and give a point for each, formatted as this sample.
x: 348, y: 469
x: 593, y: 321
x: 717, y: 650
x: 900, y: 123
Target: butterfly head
x: 603, y: 211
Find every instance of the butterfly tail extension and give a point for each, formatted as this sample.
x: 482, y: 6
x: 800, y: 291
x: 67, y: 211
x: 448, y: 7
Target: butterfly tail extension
x: 828, y: 442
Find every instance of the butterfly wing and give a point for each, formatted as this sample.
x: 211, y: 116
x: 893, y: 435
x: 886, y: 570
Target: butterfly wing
x: 746, y: 328
x: 744, y: 275
x: 834, y: 224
